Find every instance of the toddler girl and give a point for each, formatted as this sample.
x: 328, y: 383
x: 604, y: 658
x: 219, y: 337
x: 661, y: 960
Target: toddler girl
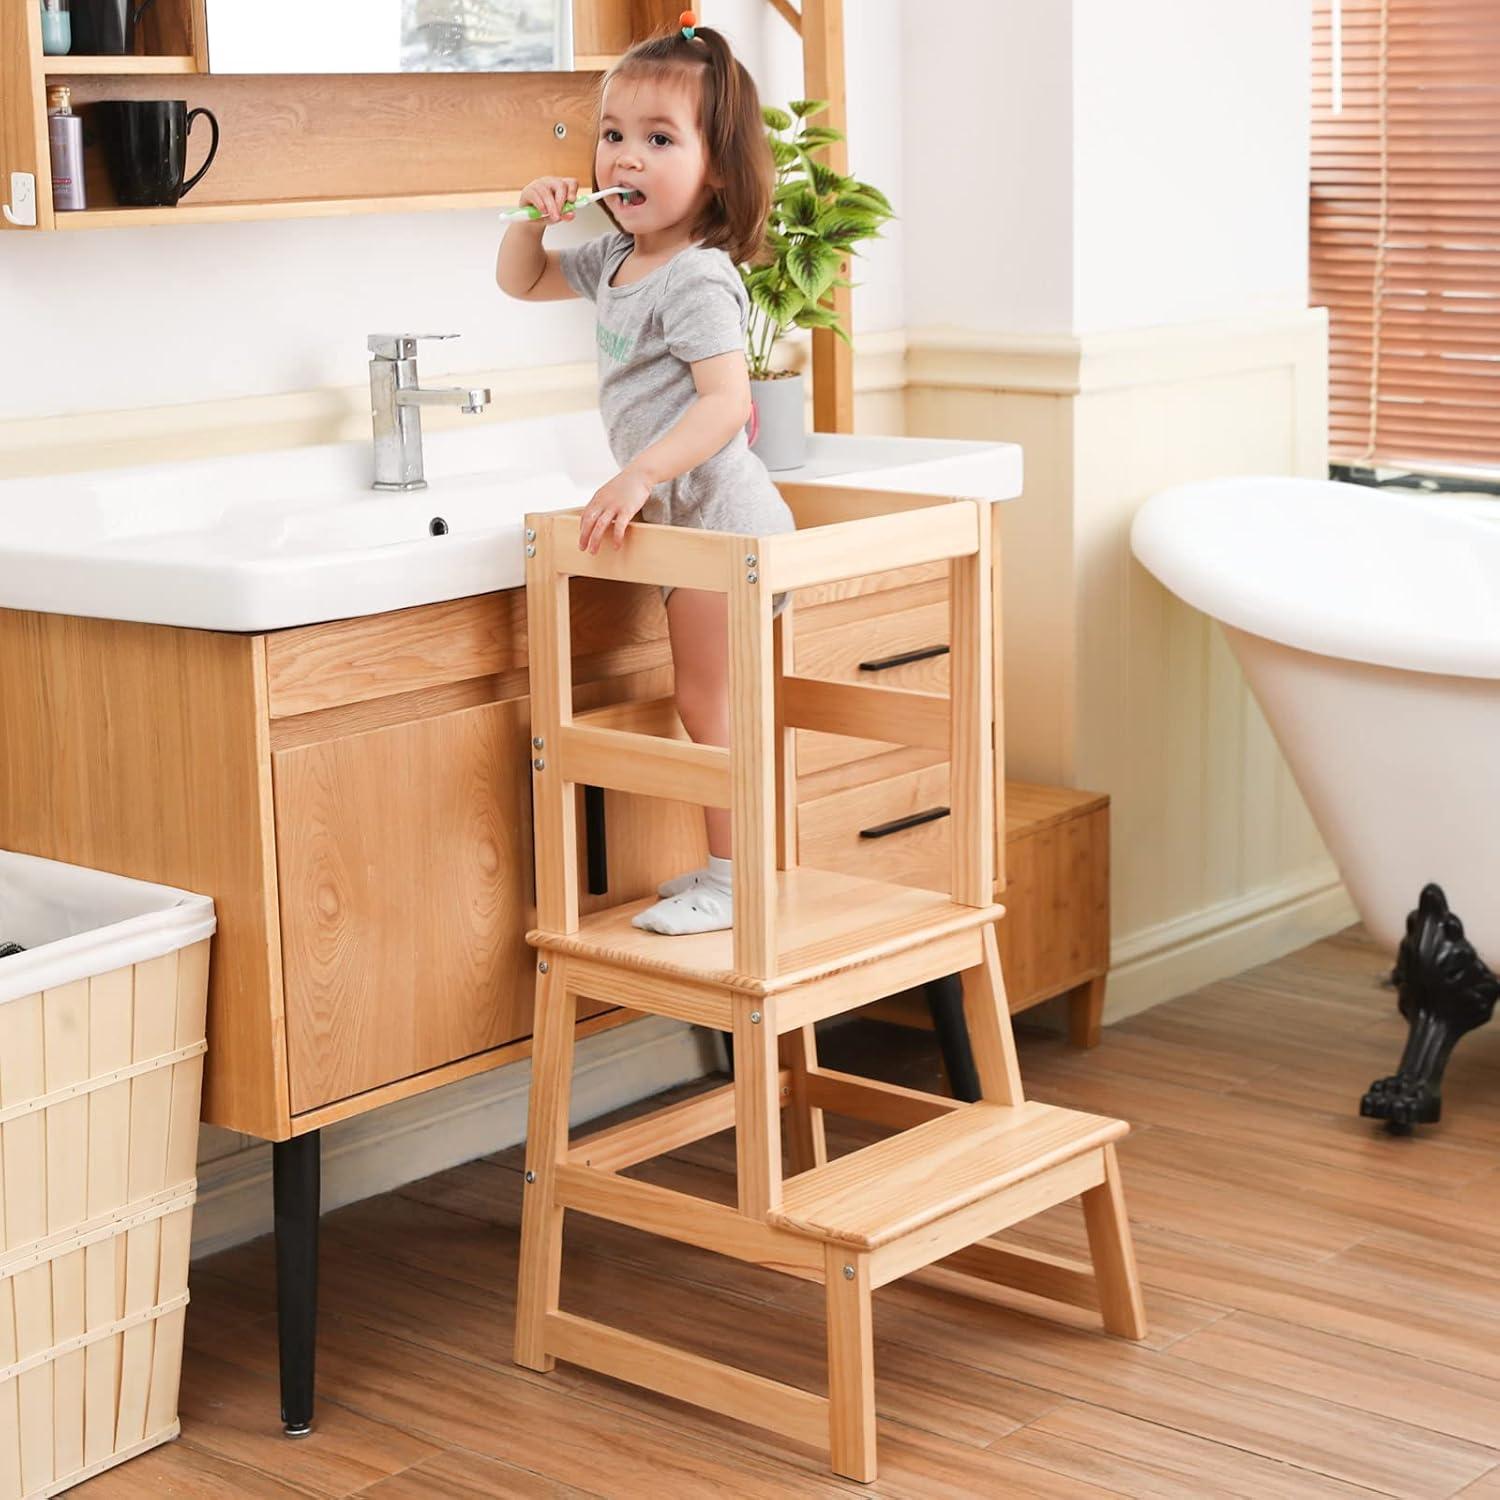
x: 680, y: 127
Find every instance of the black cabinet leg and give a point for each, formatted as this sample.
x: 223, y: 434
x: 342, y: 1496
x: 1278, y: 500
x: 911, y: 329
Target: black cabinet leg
x: 595, y: 840
x: 945, y: 1003
x: 296, y: 1187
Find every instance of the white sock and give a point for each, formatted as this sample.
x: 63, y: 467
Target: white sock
x: 680, y: 883
x: 707, y: 906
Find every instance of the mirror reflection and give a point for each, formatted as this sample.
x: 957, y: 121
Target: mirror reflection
x: 390, y: 36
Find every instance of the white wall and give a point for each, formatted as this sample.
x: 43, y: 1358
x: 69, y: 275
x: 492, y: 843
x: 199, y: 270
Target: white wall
x: 133, y: 318
x: 1190, y: 160
x: 1078, y: 166
x: 986, y: 98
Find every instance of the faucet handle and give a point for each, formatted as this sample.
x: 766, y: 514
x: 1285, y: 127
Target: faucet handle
x: 399, y: 345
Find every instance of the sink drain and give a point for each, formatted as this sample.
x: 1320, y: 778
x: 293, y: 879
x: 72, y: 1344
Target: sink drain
x: 438, y: 526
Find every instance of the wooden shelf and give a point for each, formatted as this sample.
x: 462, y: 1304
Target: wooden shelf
x: 314, y: 146
x: 903, y: 1183
x: 827, y: 922
x: 70, y: 66
x: 281, y: 208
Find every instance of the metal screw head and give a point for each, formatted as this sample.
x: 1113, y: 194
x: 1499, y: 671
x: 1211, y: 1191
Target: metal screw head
x: 560, y: 130
x: 539, y: 764
x: 848, y: 1273
x: 751, y: 559
x: 531, y: 1177
x: 530, y: 534
x: 752, y: 577
x: 537, y: 742
x: 530, y: 551
x: 755, y: 1018
x: 544, y: 967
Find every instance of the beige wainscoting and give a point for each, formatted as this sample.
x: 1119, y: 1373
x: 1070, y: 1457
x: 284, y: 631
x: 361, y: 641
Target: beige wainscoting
x: 74, y: 441
x: 1110, y: 682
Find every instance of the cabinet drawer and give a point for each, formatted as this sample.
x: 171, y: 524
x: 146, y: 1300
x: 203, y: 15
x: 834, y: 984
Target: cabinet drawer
x: 1055, y: 933
x: 826, y: 604
x: 861, y: 832
x: 345, y: 662
x: 871, y: 651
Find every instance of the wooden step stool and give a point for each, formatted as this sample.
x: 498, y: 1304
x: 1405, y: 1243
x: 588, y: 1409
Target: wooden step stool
x: 806, y: 944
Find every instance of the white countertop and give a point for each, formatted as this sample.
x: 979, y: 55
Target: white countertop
x: 265, y: 541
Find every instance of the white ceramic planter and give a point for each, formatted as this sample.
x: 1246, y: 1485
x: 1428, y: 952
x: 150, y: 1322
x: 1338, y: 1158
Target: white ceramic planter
x: 779, y: 426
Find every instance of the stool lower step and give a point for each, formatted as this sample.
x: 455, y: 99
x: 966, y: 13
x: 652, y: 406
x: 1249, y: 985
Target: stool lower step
x: 912, y: 1180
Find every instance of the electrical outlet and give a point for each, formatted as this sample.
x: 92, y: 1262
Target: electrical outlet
x: 21, y: 209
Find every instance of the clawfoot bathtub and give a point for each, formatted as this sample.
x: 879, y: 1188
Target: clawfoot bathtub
x: 1368, y: 626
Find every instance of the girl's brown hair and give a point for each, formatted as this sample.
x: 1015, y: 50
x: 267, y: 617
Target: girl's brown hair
x: 739, y: 158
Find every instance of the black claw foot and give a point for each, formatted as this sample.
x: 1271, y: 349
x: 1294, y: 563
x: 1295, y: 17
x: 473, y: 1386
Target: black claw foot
x: 1401, y: 1103
x: 1445, y: 990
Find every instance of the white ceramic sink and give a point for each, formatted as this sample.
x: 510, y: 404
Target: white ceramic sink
x: 268, y: 540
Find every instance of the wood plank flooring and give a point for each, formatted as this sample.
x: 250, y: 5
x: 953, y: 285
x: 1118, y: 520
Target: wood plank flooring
x: 1324, y: 1302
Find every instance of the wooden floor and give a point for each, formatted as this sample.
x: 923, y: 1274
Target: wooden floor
x: 1324, y: 1302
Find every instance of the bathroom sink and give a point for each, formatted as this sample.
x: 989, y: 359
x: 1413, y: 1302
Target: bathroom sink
x: 264, y: 541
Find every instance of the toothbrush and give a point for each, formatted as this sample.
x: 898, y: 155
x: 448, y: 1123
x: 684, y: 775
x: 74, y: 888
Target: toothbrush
x: 535, y: 213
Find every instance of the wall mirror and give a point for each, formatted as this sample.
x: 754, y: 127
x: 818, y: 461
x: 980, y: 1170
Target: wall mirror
x: 390, y: 36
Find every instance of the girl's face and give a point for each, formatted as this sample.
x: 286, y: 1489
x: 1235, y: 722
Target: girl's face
x: 649, y: 141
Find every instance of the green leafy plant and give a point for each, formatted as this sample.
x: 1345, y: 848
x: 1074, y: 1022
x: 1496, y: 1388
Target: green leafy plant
x: 817, y: 217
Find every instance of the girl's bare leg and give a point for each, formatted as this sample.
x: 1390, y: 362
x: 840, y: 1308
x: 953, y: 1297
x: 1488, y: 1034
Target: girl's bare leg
x: 698, y: 623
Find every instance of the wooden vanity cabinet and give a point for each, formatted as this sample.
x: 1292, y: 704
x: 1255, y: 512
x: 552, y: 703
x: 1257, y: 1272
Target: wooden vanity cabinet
x: 356, y: 798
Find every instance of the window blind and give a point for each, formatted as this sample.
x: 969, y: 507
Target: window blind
x: 1405, y: 227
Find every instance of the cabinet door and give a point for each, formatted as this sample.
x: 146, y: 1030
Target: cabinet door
x: 404, y: 861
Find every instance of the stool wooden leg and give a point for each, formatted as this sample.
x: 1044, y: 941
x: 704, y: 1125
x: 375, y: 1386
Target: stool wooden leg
x: 851, y: 1365
x: 546, y: 1147
x: 990, y: 1033
x: 1113, y: 1253
x: 806, y: 1144
x: 757, y: 1106
x: 1085, y: 1010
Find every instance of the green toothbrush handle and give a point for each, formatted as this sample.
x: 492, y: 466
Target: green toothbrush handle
x: 533, y: 213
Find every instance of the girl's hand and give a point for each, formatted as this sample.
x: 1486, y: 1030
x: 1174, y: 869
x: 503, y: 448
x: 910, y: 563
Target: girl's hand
x: 548, y: 194
x: 613, y: 505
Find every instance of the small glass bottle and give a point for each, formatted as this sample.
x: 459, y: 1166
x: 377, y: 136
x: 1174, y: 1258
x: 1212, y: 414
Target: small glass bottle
x: 65, y: 137
x: 57, y: 28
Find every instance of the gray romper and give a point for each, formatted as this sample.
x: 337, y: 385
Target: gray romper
x: 649, y: 332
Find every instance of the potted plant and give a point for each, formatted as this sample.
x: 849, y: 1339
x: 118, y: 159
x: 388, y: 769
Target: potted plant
x: 817, y: 217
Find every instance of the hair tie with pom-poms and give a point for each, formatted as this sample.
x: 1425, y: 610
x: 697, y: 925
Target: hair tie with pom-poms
x: 688, y: 20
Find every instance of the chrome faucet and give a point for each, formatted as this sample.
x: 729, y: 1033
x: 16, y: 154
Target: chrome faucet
x: 395, y: 403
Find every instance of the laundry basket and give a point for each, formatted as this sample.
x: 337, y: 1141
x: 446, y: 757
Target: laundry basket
x: 101, y: 1070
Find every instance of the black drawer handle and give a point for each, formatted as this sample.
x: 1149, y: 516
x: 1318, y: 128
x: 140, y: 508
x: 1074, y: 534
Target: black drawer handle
x: 885, y: 830
x: 883, y: 663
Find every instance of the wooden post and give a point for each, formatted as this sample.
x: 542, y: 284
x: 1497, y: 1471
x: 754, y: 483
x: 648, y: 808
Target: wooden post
x: 546, y: 1149
x: 752, y: 734
x: 823, y: 78
x: 554, y: 807
x: 851, y: 1364
x: 23, y: 113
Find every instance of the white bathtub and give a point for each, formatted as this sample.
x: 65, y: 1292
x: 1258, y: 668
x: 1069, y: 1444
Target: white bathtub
x: 1368, y: 625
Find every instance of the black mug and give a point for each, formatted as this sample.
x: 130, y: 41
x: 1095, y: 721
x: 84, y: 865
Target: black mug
x: 106, y: 27
x: 145, y: 148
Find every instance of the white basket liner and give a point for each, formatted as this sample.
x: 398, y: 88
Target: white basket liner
x: 75, y: 923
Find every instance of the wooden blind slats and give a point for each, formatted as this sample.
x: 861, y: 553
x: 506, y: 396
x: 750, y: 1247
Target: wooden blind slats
x: 1405, y: 227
